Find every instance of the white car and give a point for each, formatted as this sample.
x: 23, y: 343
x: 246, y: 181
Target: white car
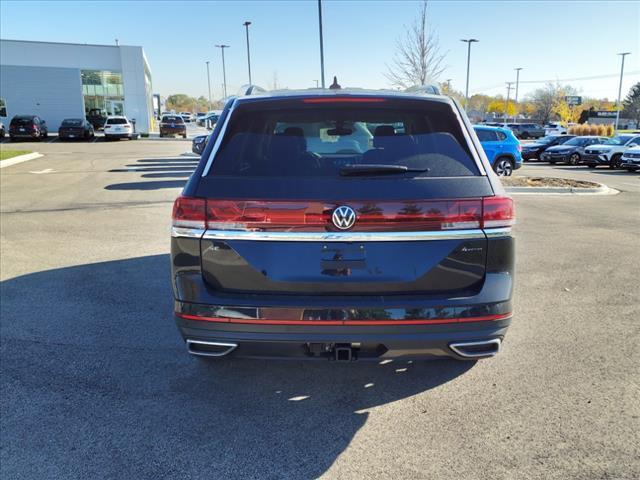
x: 554, y: 128
x: 631, y: 159
x: 118, y: 127
x: 186, y: 116
x: 610, y: 153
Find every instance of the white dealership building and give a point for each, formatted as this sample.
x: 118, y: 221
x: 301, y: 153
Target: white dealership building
x: 65, y: 80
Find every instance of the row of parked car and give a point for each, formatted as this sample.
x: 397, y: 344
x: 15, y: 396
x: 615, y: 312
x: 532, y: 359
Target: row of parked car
x: 527, y: 131
x: 33, y: 127
x: 592, y: 151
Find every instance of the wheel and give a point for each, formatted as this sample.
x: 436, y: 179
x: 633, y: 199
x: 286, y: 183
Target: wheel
x: 615, y: 161
x: 184, y: 136
x: 161, y: 135
x: 591, y: 165
x: 574, y: 159
x: 503, y: 167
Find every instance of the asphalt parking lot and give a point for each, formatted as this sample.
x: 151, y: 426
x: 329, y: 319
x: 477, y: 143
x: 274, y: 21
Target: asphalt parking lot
x: 96, y: 382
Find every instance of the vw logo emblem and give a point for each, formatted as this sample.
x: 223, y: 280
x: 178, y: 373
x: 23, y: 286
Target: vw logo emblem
x: 343, y: 217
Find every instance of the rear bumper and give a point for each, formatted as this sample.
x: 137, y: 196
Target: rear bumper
x: 118, y: 135
x: 173, y: 131
x: 367, y: 343
x: 27, y: 134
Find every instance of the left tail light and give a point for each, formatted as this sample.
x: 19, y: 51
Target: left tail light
x: 189, y: 212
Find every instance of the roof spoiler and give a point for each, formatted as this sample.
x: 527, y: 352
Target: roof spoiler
x: 424, y: 90
x: 250, y: 90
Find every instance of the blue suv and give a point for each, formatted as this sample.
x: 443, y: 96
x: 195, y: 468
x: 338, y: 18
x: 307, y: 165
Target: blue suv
x: 501, y: 147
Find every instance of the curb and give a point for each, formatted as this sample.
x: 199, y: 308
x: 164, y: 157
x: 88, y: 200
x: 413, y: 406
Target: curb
x: 20, y: 159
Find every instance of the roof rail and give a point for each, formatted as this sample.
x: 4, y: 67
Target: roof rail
x: 424, y: 89
x: 250, y: 90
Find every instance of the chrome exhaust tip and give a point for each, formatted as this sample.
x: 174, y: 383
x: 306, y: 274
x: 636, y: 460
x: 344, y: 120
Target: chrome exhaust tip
x: 209, y: 349
x: 477, y: 349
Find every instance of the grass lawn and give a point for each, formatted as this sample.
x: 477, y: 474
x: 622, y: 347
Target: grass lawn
x: 6, y: 154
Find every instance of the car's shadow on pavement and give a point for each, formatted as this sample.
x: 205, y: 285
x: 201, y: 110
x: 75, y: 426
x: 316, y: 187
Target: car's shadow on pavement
x: 96, y: 383
x: 175, y: 169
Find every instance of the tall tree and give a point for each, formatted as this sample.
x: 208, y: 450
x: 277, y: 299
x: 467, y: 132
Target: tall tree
x: 544, y: 99
x: 631, y: 104
x: 418, y: 59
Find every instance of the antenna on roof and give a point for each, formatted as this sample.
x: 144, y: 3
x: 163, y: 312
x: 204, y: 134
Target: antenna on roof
x: 335, y: 85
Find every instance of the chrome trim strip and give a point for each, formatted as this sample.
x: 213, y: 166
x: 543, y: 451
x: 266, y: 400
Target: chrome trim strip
x: 183, y: 232
x: 495, y: 341
x: 215, y: 148
x: 497, y: 232
x: 342, y: 236
x: 230, y: 348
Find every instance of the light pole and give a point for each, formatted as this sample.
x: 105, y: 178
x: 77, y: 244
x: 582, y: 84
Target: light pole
x: 246, y: 26
x: 506, y: 105
x: 321, y: 42
x: 209, y: 84
x: 224, y: 72
x: 624, y: 54
x: 517, y: 84
x: 468, y: 41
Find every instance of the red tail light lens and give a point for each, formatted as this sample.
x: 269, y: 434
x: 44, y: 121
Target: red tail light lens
x: 260, y: 215
x: 498, y: 212
x: 189, y: 212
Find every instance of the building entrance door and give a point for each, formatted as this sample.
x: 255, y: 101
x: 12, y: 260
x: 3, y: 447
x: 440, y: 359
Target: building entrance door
x: 116, y: 107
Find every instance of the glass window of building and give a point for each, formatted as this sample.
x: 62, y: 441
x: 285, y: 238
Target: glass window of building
x: 103, y: 90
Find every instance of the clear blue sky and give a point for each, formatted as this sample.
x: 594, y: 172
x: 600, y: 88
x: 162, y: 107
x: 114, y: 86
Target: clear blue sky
x: 549, y: 39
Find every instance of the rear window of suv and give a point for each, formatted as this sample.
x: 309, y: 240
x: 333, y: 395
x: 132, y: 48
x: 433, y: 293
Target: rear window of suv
x: 295, y: 138
x: 117, y: 121
x: 173, y: 119
x: 23, y: 121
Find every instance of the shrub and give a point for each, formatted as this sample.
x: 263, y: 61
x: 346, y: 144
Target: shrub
x: 609, y: 130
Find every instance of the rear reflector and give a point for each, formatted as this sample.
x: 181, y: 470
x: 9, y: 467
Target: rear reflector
x: 273, y: 321
x: 311, y: 216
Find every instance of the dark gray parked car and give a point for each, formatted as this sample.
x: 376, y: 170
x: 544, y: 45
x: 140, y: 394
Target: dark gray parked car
x: 526, y: 130
x: 571, y: 151
x: 344, y: 225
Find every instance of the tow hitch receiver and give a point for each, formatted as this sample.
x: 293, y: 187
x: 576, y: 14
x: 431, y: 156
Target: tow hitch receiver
x: 343, y: 353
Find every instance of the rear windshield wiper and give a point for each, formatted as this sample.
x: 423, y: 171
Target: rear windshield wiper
x: 374, y: 169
